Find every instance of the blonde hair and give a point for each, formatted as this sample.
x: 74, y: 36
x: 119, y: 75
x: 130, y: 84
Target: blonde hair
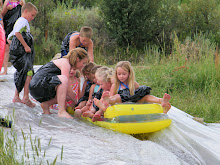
x: 29, y: 7
x: 78, y: 74
x: 88, y: 67
x: 86, y: 31
x: 104, y: 73
x: 76, y: 53
x: 125, y: 65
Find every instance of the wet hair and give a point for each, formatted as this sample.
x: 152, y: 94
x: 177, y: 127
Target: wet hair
x: 94, y: 69
x: 104, y: 73
x: 86, y: 31
x: 74, y: 54
x: 29, y: 7
x: 88, y: 68
x: 125, y: 65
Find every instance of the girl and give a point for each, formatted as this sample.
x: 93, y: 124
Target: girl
x: 86, y: 85
x: 73, y: 87
x: 125, y: 88
x: 50, y: 83
x: 104, y: 78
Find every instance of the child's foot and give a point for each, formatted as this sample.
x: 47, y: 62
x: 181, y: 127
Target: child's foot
x: 77, y: 113
x: 28, y: 103
x: 64, y: 114
x: 165, y: 102
x: 166, y: 108
x: 16, y: 100
x: 45, y: 108
x: 96, y: 117
x: 99, y: 104
x: 88, y: 114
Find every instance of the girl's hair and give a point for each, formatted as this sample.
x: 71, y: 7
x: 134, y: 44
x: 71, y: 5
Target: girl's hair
x: 94, y: 69
x: 104, y: 73
x: 88, y: 68
x: 125, y: 65
x: 29, y: 7
x: 86, y: 31
x: 78, y: 74
x: 76, y: 53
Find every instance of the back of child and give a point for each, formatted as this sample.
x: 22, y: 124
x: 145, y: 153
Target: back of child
x: 78, y: 39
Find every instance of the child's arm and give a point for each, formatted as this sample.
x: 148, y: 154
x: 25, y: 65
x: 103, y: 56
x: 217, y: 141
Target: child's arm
x: 72, y: 43
x: 84, y: 88
x: 1, y: 20
x: 91, y: 91
x: 4, y: 9
x: 90, y: 51
x: 112, y: 90
x: 21, y: 39
x: 136, y: 85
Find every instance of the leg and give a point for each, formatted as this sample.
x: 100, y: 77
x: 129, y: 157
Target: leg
x: 16, y: 97
x: 26, y: 100
x: 61, y: 97
x: 79, y: 112
x: 163, y: 101
x: 5, y: 62
x: 115, y: 99
x: 45, y: 105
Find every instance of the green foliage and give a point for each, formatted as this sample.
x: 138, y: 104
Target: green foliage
x: 130, y: 22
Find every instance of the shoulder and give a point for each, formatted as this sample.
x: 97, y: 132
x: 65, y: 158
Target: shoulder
x: 62, y: 62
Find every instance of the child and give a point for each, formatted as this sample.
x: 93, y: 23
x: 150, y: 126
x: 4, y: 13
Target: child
x: 86, y: 85
x: 125, y: 88
x: 22, y: 53
x: 73, y: 89
x: 104, y: 77
x: 95, y: 87
x: 78, y: 39
x: 50, y: 83
x: 11, y: 12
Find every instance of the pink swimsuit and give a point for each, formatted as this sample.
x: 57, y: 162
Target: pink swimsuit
x: 14, y: 4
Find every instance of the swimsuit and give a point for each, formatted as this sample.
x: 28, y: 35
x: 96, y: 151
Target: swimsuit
x: 139, y: 93
x: 14, y: 4
x: 66, y: 41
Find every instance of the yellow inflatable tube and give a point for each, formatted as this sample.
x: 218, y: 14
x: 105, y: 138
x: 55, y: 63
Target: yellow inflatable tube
x: 134, y: 118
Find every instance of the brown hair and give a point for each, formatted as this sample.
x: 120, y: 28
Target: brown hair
x: 86, y: 31
x: 29, y: 7
x: 94, y: 69
x: 88, y: 67
x: 76, y: 53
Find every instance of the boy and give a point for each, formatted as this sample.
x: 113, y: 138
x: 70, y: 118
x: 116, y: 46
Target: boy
x: 22, y: 53
x: 76, y: 39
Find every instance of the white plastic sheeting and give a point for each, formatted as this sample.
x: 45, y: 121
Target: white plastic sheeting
x: 184, y: 142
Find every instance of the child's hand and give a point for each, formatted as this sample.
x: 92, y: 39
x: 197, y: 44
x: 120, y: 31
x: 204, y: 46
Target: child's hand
x: 89, y: 102
x: 27, y: 49
x: 9, y: 7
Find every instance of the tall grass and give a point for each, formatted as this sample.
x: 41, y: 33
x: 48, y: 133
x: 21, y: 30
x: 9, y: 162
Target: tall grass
x: 190, y: 74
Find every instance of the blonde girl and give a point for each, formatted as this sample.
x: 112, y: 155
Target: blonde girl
x: 126, y: 89
x: 104, y: 79
x: 49, y: 84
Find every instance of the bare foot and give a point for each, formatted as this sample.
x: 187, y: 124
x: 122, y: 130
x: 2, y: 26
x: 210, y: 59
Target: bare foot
x: 16, y: 100
x: 88, y: 114
x: 166, y: 108
x: 64, y: 114
x: 96, y: 117
x: 3, y: 73
x: 28, y: 103
x: 99, y: 104
x: 165, y: 102
x: 45, y: 108
x: 77, y: 113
